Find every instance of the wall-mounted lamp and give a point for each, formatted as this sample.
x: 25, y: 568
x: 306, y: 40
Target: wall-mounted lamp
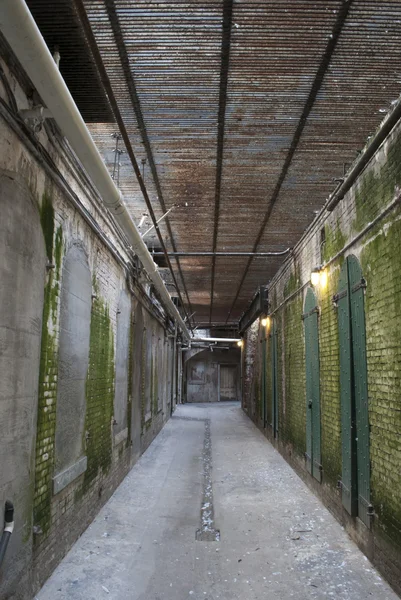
x: 240, y: 343
x: 315, y: 277
x: 323, y: 279
x: 319, y: 277
x: 266, y: 321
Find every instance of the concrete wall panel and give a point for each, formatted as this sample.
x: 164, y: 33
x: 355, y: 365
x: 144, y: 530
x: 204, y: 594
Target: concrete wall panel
x: 22, y: 277
x: 122, y: 366
x: 75, y: 315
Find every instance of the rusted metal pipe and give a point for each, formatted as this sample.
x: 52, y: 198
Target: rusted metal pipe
x: 254, y: 254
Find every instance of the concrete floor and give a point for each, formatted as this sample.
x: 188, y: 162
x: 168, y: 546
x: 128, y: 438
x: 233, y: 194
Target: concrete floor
x: 277, y: 540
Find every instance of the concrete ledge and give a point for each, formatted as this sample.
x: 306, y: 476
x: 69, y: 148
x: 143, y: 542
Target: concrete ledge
x: 61, y: 480
x: 121, y: 436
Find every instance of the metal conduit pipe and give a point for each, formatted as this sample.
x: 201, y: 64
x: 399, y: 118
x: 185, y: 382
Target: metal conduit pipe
x: 211, y: 339
x: 21, y: 32
x: 387, y: 125
x: 254, y: 254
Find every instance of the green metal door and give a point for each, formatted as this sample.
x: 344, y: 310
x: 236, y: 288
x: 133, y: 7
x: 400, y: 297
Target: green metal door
x: 313, y: 450
x: 263, y: 386
x: 357, y: 302
x: 354, y: 391
x: 273, y: 354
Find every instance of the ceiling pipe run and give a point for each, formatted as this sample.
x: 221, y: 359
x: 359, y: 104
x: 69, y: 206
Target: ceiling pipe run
x: 254, y: 254
x: 211, y: 339
x: 27, y: 43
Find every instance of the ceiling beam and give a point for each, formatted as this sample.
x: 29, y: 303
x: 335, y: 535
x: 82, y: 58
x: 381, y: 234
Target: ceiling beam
x: 126, y: 66
x: 201, y: 254
x: 225, y: 60
x: 317, y: 83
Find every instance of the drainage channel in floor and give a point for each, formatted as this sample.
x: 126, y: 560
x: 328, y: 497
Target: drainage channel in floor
x: 207, y: 531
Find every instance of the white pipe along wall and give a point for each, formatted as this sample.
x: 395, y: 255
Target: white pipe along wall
x: 27, y: 43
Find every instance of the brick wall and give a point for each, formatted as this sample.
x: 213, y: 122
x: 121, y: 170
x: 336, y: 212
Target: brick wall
x: 346, y: 231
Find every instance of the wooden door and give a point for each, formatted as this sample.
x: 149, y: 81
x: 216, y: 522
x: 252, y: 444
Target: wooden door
x: 228, y: 382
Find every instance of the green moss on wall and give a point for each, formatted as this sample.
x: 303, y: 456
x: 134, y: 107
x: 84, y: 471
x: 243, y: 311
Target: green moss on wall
x: 47, y: 390
x: 335, y: 241
x: 293, y: 282
x: 329, y: 355
x: 376, y: 189
x: 294, y: 427
x: 381, y: 265
x: 99, y: 392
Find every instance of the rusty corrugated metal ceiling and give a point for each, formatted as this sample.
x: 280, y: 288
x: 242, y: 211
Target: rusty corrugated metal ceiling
x: 243, y: 114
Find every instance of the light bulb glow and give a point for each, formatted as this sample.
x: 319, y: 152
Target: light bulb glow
x: 266, y: 322
x: 240, y: 343
x: 315, y: 278
x: 323, y: 279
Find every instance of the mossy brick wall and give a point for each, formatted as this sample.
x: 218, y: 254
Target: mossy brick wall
x: 62, y: 517
x: 381, y: 264
x: 329, y: 356
x: 292, y: 425
x: 99, y: 391
x: 379, y: 251
x: 46, y: 422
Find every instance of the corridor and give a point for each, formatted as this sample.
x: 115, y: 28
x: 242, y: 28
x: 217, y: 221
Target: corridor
x: 277, y: 540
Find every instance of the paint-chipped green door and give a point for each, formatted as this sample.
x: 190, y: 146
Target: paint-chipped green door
x: 354, y: 391
x: 274, y: 388
x: 313, y: 451
x: 263, y: 383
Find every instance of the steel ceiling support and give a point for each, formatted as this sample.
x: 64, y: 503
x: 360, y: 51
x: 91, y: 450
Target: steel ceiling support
x: 317, y: 83
x: 225, y: 60
x: 199, y: 254
x: 125, y: 63
x: 79, y: 5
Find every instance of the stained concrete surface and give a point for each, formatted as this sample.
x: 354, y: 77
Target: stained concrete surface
x: 277, y: 539
x: 73, y: 357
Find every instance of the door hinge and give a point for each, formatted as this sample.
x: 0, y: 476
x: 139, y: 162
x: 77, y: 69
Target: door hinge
x: 360, y: 285
x: 311, y: 312
x: 338, y: 297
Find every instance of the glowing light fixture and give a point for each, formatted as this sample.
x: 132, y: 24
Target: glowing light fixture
x: 319, y: 277
x: 240, y: 343
x: 266, y: 321
x: 315, y: 277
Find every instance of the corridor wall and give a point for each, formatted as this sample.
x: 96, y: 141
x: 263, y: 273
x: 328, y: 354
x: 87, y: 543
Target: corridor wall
x: 74, y: 308
x: 359, y: 364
